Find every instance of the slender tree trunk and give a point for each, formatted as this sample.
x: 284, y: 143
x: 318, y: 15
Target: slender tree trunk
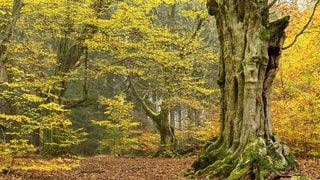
x: 5, y: 39
x: 249, y: 54
x: 6, y: 36
x: 194, y: 116
x: 180, y: 115
x: 69, y: 52
x: 172, y: 117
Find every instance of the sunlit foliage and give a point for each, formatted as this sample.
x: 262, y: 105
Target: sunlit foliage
x: 61, y: 57
x: 296, y: 104
x: 121, y: 134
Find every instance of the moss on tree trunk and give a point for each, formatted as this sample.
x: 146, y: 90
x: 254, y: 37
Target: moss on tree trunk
x: 256, y: 161
x: 249, y: 55
x: 167, y: 146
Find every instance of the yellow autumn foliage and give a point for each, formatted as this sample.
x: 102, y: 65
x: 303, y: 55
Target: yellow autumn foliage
x: 296, y: 105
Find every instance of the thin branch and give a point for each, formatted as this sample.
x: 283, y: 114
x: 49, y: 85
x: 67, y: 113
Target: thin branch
x: 304, y: 27
x: 193, y: 36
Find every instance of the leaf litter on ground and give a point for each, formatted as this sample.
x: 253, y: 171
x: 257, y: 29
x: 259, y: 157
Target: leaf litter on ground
x: 126, y: 168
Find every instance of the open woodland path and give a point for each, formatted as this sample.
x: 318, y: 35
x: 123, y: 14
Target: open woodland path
x: 136, y: 168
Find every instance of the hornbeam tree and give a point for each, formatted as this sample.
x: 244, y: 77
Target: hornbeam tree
x: 250, y: 49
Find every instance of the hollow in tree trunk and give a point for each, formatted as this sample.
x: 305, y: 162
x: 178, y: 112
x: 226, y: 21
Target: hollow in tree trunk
x: 250, y: 50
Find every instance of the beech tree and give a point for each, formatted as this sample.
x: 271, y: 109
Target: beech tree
x: 163, y: 66
x: 250, y: 48
x: 29, y: 116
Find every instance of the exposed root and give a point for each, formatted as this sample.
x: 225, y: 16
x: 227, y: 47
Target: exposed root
x: 256, y: 161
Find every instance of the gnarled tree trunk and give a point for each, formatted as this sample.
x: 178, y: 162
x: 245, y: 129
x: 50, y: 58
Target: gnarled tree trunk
x: 249, y: 55
x: 168, y: 142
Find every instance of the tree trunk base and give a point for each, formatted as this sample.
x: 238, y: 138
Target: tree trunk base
x: 257, y: 160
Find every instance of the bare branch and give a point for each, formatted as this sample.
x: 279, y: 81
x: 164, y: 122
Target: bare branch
x: 304, y: 27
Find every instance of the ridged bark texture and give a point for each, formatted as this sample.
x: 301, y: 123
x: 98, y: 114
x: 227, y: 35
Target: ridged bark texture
x: 249, y: 55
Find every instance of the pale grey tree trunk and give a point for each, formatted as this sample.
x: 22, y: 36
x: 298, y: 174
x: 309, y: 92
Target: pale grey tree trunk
x: 249, y: 54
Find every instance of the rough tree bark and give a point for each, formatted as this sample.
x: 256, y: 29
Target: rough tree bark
x: 250, y: 50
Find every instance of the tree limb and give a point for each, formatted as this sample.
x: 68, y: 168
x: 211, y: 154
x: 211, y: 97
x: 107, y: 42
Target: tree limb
x: 304, y: 27
x: 141, y: 100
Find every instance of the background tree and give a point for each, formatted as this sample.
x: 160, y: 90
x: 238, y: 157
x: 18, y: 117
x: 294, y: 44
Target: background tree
x: 164, y: 63
x: 250, y: 49
x: 7, y: 27
x: 66, y: 56
x: 28, y: 92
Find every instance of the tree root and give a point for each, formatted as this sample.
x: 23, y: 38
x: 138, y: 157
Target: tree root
x: 256, y: 161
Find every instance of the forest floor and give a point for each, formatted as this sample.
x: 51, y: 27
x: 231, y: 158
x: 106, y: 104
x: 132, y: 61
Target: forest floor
x: 138, y: 168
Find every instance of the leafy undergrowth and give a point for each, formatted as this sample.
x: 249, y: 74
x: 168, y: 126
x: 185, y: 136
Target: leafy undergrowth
x: 106, y: 167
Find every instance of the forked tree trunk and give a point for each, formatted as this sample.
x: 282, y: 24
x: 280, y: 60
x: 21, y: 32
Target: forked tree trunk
x: 249, y: 54
x: 167, y: 145
x: 68, y: 55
